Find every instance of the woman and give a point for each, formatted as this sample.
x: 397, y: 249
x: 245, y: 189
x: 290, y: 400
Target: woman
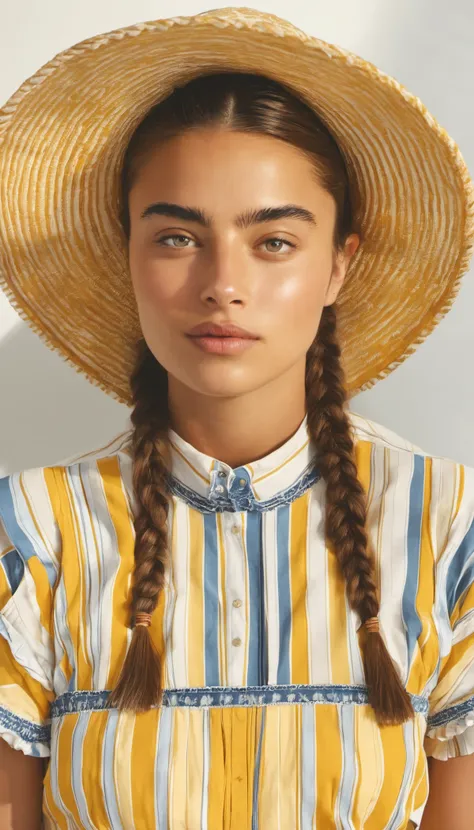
x: 298, y: 637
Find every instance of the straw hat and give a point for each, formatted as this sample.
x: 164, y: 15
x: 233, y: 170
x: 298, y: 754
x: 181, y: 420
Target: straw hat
x: 63, y: 255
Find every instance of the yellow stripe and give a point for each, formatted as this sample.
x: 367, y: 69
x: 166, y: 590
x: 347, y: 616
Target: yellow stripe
x: 178, y: 769
x: 299, y: 583
x: 461, y: 471
x: 73, y: 577
x: 339, y: 651
x: 464, y: 604
x: 194, y: 767
x: 64, y: 749
x: 242, y: 747
x: 217, y: 778
x: 92, y: 771
x: 424, y: 665
x: 363, y: 457
x: 394, y: 760
x: 5, y: 590
x: 288, y: 764
x: 269, y: 782
x: 144, y: 750
x: 459, y: 659
x: 328, y: 763
x: 122, y: 766
x: 370, y: 765
x: 196, y: 638
x: 254, y: 722
x: 122, y: 520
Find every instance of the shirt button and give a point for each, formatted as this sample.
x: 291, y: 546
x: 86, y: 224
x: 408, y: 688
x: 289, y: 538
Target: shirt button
x: 236, y: 641
x: 237, y: 603
x: 220, y: 488
x: 242, y: 482
x: 222, y: 474
x: 235, y: 529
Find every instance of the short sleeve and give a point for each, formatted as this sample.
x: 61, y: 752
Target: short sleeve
x: 450, y: 727
x: 29, y: 565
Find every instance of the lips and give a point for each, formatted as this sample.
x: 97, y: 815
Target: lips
x: 222, y: 331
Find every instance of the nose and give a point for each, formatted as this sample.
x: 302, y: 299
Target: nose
x: 225, y: 278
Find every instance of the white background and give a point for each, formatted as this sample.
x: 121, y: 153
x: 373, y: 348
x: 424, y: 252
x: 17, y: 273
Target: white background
x: 49, y: 412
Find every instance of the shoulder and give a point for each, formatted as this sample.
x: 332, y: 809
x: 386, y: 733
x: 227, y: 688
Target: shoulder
x: 435, y: 490
x: 367, y: 430
x: 120, y: 444
x: 33, y: 501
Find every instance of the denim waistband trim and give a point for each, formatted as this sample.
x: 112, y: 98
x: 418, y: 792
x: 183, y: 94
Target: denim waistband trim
x: 245, y: 502
x: 452, y: 713
x: 225, y: 696
x: 31, y: 733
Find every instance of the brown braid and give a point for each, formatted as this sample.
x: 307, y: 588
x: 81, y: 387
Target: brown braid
x: 140, y: 683
x: 329, y: 428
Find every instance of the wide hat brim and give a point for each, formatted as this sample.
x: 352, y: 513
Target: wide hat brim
x: 63, y: 134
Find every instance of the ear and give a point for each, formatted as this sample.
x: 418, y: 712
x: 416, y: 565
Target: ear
x: 341, y: 262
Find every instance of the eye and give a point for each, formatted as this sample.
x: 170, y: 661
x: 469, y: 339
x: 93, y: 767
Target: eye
x: 280, y: 242
x: 179, y: 237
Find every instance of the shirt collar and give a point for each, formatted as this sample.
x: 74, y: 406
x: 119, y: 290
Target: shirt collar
x: 263, y: 479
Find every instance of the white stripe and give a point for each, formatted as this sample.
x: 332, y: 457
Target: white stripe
x: 318, y: 602
x: 272, y: 604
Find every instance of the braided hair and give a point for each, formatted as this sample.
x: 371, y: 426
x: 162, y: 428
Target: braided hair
x: 251, y: 102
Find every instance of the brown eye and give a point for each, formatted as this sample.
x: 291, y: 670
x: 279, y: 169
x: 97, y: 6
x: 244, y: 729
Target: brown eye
x: 179, y: 237
x: 279, y: 242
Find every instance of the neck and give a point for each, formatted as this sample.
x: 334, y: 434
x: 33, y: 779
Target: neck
x: 241, y: 429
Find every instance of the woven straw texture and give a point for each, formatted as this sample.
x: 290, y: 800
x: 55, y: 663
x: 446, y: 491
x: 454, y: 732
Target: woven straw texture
x: 63, y: 255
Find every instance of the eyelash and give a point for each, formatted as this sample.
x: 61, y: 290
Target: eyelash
x: 182, y: 236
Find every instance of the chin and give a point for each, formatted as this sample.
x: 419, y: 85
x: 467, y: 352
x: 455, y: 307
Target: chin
x: 221, y: 384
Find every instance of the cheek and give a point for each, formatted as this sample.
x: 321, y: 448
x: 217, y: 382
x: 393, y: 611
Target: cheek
x: 154, y: 290
x: 298, y: 299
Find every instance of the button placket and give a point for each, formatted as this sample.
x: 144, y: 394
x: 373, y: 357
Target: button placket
x: 235, y: 591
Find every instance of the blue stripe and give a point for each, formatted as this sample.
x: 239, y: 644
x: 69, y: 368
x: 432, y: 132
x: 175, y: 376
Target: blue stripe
x: 108, y: 788
x: 460, y: 574
x: 15, y: 532
x: 162, y: 769
x: 284, y: 593
x: 257, y: 672
x: 348, y: 776
x: 410, y: 614
x: 256, y: 775
x: 78, y: 734
x: 211, y: 600
x: 308, y: 771
x: 14, y: 568
x: 230, y: 696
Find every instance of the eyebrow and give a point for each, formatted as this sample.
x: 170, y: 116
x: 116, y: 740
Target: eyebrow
x: 242, y: 220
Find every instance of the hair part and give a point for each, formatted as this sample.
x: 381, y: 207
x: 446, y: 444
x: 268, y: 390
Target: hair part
x: 252, y: 103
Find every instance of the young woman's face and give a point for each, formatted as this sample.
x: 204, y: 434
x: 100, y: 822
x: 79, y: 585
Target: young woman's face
x: 271, y: 277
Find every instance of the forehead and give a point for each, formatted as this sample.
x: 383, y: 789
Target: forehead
x: 228, y: 170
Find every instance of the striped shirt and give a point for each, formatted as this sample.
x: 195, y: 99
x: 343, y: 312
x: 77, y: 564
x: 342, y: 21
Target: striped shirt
x: 265, y: 721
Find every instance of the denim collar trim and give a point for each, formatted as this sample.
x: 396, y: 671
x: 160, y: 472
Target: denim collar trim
x: 243, y: 501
